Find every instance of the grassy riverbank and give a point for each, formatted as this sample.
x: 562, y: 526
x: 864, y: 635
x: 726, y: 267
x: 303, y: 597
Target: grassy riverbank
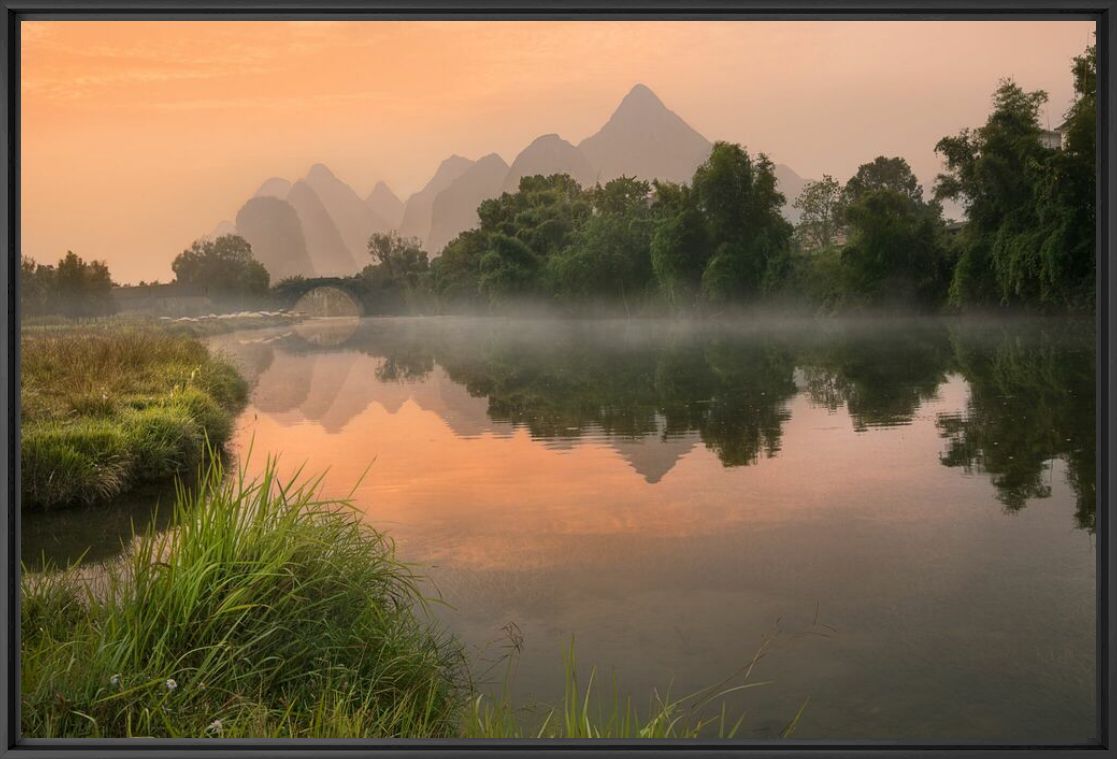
x: 263, y: 612
x: 106, y: 406
x: 269, y: 612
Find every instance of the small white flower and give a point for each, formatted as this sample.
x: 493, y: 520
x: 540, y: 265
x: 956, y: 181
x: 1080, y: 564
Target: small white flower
x: 214, y: 728
x: 114, y: 681
x: 171, y: 684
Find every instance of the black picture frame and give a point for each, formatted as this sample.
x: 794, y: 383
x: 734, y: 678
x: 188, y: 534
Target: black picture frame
x: 1104, y: 12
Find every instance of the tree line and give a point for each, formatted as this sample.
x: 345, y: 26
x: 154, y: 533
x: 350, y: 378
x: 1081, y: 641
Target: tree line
x: 878, y: 240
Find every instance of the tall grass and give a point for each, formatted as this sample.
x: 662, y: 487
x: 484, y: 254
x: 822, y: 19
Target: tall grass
x: 108, y: 406
x: 265, y: 612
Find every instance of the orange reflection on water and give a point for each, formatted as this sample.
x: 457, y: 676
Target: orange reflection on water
x: 454, y: 487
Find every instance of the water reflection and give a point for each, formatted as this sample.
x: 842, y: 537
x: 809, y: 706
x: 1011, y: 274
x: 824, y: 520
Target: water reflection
x: 654, y: 390
x: 881, y: 377
x: 1031, y: 402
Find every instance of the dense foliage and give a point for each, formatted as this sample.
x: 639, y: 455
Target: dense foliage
x: 223, y: 267
x: 1031, y: 207
x: 74, y: 287
x: 718, y: 239
x: 876, y: 241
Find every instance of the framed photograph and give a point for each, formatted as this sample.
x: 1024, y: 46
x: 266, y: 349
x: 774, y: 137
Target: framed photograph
x: 421, y: 379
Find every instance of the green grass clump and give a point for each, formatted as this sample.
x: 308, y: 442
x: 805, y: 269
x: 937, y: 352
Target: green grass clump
x: 83, y: 461
x: 269, y: 612
x: 265, y: 612
x: 108, y: 406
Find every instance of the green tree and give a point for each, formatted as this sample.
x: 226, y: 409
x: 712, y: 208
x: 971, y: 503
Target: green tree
x: 36, y: 287
x: 896, y: 252
x: 892, y: 174
x: 680, y: 244
x: 738, y: 197
x: 610, y: 252
x: 399, y: 260
x: 399, y: 275
x: 508, y: 268
x: 518, y: 234
x: 222, y: 267
x: 544, y: 213
x: 456, y: 274
x: 81, y: 288
x: 1030, y: 236
x: 1066, y: 199
x: 821, y: 214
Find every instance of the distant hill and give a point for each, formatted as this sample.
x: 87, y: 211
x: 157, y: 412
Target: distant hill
x: 416, y: 220
x: 223, y: 228
x: 455, y: 208
x: 275, y: 187
x: 272, y: 227
x: 385, y: 204
x: 546, y: 155
x: 790, y: 184
x: 328, y: 252
x: 355, y: 221
x: 642, y: 138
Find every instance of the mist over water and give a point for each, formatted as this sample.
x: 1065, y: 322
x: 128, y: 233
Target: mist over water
x: 907, y: 504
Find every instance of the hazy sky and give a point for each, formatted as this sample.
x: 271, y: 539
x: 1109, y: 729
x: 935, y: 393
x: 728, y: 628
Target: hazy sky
x: 140, y: 136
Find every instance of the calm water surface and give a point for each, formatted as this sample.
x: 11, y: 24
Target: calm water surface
x: 906, y: 509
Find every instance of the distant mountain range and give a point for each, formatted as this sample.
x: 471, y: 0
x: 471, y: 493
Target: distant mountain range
x: 319, y: 226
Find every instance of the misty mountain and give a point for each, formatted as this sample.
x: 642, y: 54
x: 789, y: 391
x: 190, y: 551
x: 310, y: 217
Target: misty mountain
x: 455, y: 208
x: 328, y: 253
x: 644, y: 139
x: 790, y: 184
x: 355, y: 221
x: 222, y: 228
x: 385, y: 204
x: 272, y: 227
x: 275, y: 187
x: 549, y: 154
x: 417, y: 211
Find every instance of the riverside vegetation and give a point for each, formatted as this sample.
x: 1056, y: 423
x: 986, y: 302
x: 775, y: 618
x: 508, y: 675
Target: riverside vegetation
x: 269, y: 612
x: 108, y: 406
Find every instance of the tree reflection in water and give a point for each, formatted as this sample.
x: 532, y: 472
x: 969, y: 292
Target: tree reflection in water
x: 654, y: 389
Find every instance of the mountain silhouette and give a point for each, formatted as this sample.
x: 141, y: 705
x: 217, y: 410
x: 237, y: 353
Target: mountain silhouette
x: 275, y: 187
x: 644, y: 139
x: 272, y: 227
x: 455, y: 208
x: 222, y: 228
x: 385, y: 204
x: 546, y: 155
x: 416, y: 220
x: 329, y: 254
x: 355, y: 221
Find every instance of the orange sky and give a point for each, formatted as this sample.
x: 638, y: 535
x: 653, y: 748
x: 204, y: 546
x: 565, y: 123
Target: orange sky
x: 140, y: 136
